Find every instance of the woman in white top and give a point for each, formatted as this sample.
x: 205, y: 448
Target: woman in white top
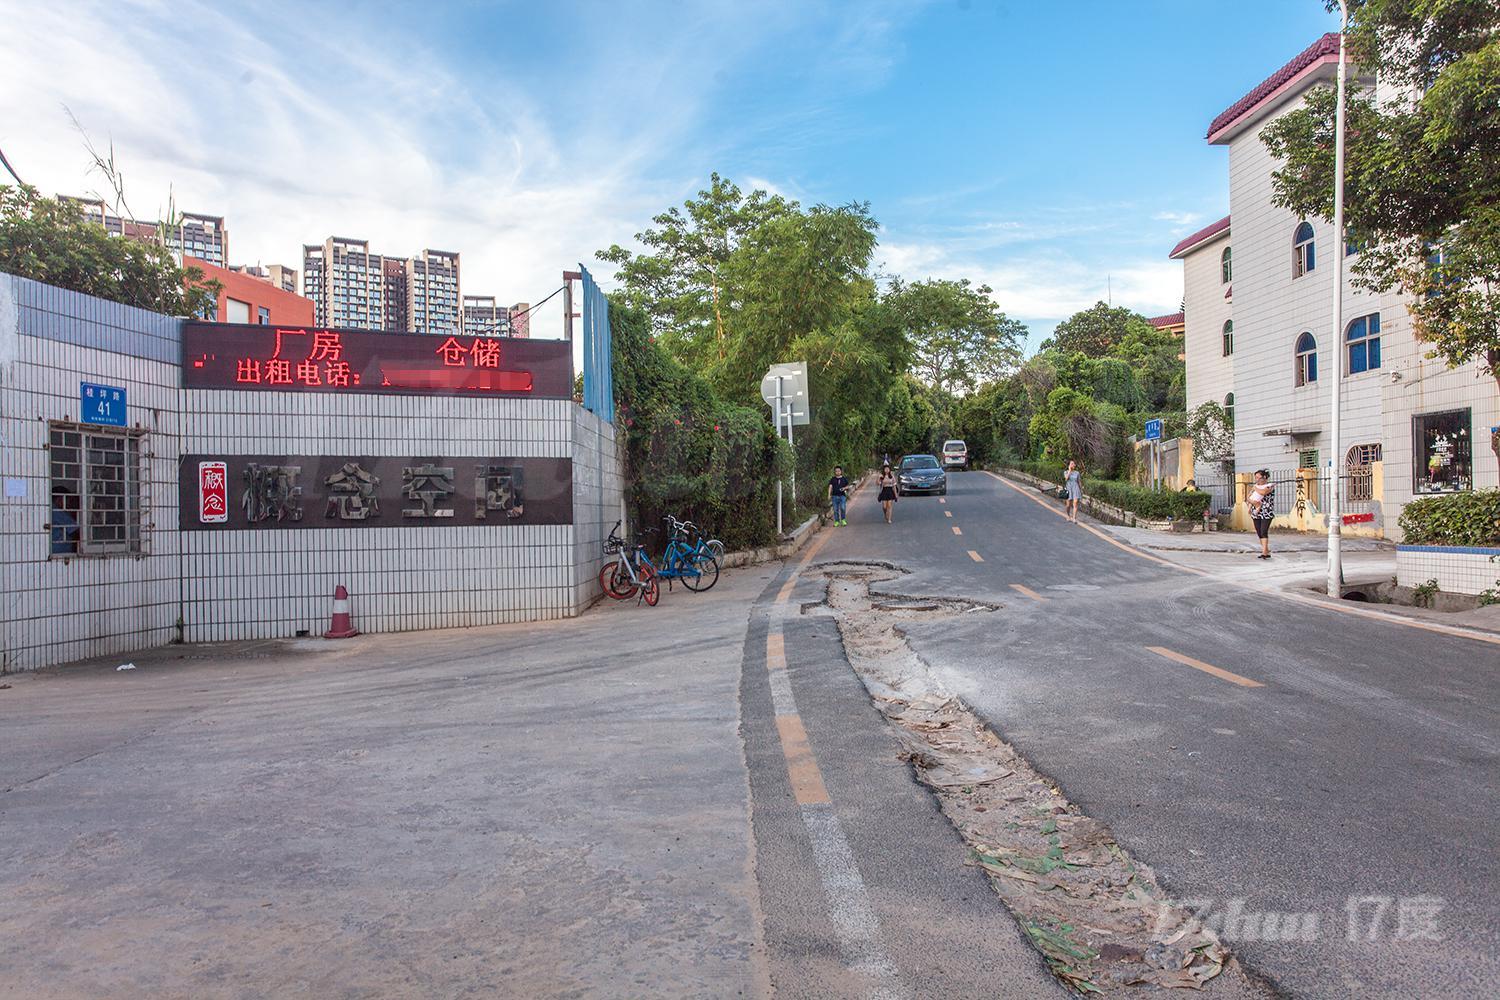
x: 1262, y: 502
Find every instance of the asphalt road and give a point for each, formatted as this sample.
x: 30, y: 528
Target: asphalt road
x: 1326, y: 784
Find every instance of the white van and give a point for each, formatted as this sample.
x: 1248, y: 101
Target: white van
x: 955, y: 454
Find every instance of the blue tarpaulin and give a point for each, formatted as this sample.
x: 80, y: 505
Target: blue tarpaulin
x: 598, y: 354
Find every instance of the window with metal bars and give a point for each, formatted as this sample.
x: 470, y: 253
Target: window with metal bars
x: 96, y: 491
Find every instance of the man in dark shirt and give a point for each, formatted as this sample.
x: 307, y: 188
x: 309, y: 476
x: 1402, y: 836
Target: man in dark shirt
x: 838, y: 488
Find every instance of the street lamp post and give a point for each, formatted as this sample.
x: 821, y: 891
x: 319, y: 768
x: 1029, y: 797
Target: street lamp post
x: 1336, y: 482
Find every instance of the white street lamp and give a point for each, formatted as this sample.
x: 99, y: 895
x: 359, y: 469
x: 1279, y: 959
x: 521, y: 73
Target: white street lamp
x: 1336, y: 482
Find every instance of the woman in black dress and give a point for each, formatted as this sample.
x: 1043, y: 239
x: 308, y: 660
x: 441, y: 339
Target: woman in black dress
x: 887, y: 491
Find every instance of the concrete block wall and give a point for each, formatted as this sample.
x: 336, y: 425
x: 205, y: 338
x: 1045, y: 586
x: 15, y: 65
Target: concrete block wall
x: 598, y: 500
x: 1457, y: 569
x: 271, y: 582
x: 245, y: 584
x: 55, y: 610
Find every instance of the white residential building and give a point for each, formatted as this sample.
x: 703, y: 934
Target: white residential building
x: 1259, y: 321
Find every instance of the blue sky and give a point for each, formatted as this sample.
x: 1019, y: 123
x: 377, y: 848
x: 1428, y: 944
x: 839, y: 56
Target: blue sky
x: 1050, y: 150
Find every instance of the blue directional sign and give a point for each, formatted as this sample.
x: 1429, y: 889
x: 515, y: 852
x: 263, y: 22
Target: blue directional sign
x: 1153, y: 430
x: 101, y: 404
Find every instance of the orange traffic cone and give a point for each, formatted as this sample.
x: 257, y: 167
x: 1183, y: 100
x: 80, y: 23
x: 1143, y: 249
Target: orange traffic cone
x: 341, y: 628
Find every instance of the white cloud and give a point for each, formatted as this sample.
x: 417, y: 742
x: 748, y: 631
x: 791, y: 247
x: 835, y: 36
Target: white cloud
x: 1044, y: 285
x: 300, y: 121
x: 1182, y: 222
x: 296, y: 132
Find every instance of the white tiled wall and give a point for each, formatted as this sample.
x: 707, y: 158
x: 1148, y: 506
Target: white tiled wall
x: 1271, y: 309
x: 267, y: 583
x: 1457, y: 571
x: 598, y: 493
x: 1210, y: 375
x: 54, y: 610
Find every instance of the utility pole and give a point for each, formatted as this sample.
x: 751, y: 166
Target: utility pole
x: 568, y: 314
x: 1334, y: 465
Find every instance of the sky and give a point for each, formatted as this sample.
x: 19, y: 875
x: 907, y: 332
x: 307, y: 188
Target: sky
x: 1052, y: 151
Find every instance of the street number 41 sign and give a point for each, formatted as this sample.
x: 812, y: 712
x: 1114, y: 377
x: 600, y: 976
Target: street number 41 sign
x: 101, y: 404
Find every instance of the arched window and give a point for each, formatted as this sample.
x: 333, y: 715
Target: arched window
x: 1229, y: 409
x: 1307, y: 359
x: 1226, y: 269
x: 1363, y: 340
x: 1304, y: 254
x: 1228, y: 337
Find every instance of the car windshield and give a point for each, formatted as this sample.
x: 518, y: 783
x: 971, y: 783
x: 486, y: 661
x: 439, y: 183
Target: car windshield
x: 918, y: 462
x: 954, y: 446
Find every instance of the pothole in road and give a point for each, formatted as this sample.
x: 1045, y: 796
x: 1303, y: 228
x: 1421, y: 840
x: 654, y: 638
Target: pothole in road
x: 1099, y: 918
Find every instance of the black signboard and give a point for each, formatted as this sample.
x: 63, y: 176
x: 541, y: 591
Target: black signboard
x: 266, y: 492
x: 317, y: 359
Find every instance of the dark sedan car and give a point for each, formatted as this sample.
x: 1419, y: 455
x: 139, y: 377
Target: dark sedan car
x: 922, y: 474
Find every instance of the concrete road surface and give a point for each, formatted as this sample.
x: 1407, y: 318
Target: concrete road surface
x: 1291, y: 767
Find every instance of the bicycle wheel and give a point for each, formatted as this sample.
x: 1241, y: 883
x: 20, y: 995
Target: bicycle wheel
x: 615, y: 582
x: 716, y: 548
x: 651, y: 591
x: 703, y: 574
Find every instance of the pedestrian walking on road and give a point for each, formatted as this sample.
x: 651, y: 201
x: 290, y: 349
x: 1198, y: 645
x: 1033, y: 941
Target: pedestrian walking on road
x: 1262, y: 502
x: 887, y: 491
x: 838, y: 495
x: 1073, y: 488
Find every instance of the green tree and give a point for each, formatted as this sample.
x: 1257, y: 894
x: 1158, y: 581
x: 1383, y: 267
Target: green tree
x: 50, y: 241
x: 1212, y: 431
x: 681, y: 284
x: 1155, y: 357
x: 959, y: 337
x: 731, y: 281
x: 1094, y: 331
x: 1422, y: 179
x: 1073, y: 425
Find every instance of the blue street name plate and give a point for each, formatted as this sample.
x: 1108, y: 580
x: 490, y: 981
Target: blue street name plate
x: 1153, y: 430
x: 101, y: 404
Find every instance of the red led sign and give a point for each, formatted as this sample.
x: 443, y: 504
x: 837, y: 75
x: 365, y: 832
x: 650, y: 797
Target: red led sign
x: 298, y: 359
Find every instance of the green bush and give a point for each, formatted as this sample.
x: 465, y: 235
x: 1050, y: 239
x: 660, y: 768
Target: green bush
x: 1136, y: 499
x: 1155, y: 504
x: 1453, y: 519
x: 1050, y: 471
x: 689, y: 453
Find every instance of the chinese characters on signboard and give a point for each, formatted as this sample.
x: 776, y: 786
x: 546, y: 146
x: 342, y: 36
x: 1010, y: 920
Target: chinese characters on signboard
x: 213, y: 492
x: 299, y: 359
x: 265, y: 492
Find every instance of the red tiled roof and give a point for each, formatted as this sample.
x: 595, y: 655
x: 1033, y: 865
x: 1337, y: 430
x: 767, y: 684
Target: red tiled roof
x: 1325, y: 46
x: 1205, y: 233
x: 1162, y: 322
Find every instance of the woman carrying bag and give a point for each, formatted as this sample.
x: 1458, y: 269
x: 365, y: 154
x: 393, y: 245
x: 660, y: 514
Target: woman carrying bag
x: 887, y: 491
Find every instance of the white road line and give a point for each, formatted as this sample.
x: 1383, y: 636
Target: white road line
x: 849, y: 907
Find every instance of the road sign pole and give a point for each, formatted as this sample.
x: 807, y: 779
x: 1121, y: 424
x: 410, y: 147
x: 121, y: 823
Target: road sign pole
x: 779, y: 502
x: 791, y: 441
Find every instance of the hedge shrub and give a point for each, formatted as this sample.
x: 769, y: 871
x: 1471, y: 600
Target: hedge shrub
x: 1136, y: 499
x: 1453, y: 519
x: 1155, y: 504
